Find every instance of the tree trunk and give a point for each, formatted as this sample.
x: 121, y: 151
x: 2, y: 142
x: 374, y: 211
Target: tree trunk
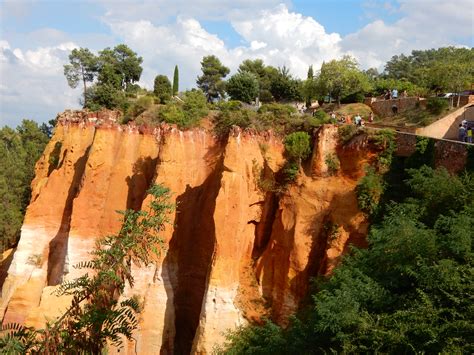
x: 84, y: 81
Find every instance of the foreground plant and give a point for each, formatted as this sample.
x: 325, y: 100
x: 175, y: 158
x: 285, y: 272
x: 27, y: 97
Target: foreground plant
x: 97, y: 316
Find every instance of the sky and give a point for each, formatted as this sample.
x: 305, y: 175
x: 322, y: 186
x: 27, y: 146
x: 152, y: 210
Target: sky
x: 36, y: 37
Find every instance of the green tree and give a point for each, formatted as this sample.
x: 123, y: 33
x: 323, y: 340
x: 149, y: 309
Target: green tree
x: 284, y: 87
x: 451, y: 76
x: 175, y: 81
x: 162, y: 88
x: 309, y: 87
x: 97, y: 316
x: 298, y: 146
x: 83, y: 66
x: 19, y: 149
x: 120, y: 67
x: 243, y: 86
x: 339, y: 78
x: 210, y: 82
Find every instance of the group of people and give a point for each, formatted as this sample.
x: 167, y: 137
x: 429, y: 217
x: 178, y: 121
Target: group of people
x: 393, y: 94
x: 465, y: 132
x: 358, y: 119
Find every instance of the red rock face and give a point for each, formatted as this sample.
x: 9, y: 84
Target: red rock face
x: 234, y: 252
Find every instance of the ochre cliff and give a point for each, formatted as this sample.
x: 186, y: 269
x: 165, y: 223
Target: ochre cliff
x: 234, y: 253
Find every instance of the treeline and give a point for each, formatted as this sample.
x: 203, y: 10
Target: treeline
x: 20, y: 148
x: 113, y: 74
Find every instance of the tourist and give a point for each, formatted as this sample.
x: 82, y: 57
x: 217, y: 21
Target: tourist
x: 357, y: 120
x: 371, y: 117
x: 394, y: 93
x: 469, y: 135
x: 388, y: 95
x: 462, y: 133
x: 404, y: 93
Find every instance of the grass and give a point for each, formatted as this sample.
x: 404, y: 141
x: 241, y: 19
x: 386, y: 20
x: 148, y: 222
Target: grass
x: 418, y: 117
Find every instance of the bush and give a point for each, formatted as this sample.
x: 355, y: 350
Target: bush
x: 369, y: 191
x: 347, y: 132
x: 332, y: 163
x: 162, y: 88
x: 228, y: 118
x: 436, y: 105
x: 279, y: 110
x: 186, y: 114
x: 138, y: 107
x: 298, y: 146
x: 231, y: 105
x: 290, y: 172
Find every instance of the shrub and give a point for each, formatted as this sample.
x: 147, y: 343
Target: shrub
x: 279, y: 110
x: 369, y: 191
x: 186, y: 114
x: 384, y: 140
x: 347, y: 132
x: 298, y: 146
x: 231, y: 105
x: 332, y: 163
x: 290, y: 172
x: 228, y: 118
x: 138, y: 107
x: 162, y: 88
x: 436, y: 105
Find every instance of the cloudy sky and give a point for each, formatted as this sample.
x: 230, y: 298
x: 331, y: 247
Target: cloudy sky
x: 36, y: 37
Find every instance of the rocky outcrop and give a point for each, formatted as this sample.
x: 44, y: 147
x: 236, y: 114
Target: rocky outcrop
x: 238, y: 249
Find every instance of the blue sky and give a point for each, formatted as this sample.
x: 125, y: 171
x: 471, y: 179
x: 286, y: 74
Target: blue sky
x: 36, y: 37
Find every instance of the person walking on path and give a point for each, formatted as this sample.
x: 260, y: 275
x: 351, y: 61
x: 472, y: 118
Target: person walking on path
x: 394, y: 94
x: 469, y: 135
x: 462, y: 133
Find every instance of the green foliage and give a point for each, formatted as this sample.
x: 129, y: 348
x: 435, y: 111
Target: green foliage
x: 410, y: 291
x: 381, y: 85
x: 138, y: 107
x: 19, y: 151
x: 369, y: 191
x: 83, y: 67
x: 347, y: 132
x: 290, y: 172
x: 278, y: 110
x: 332, y: 163
x: 96, y: 317
x: 210, y: 82
x: 447, y: 68
x: 322, y: 117
x: 175, y: 81
x: 162, y: 88
x: 384, y: 141
x: 352, y: 98
x: 298, y: 146
x: 284, y: 87
x: 264, y: 74
x: 243, y: 86
x: 105, y: 96
x: 436, y: 105
x: 185, y: 114
x: 227, y: 118
x: 339, y: 78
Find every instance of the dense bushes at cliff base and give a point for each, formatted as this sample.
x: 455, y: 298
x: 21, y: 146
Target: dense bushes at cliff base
x: 410, y: 291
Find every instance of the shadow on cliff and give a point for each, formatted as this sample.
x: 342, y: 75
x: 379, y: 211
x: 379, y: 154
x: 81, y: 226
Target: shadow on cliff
x: 189, y: 259
x: 58, y: 245
x: 138, y: 183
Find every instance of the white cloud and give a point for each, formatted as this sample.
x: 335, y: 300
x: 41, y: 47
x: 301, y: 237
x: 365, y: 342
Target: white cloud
x: 33, y: 84
x: 423, y: 24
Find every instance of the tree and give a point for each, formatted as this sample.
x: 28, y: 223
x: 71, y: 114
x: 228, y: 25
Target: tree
x: 19, y: 149
x: 96, y: 315
x: 298, y: 146
x: 243, y: 86
x: 309, y: 87
x: 175, y: 81
x: 82, y: 67
x: 264, y: 74
x: 210, y: 82
x: 340, y: 78
x: 120, y: 67
x: 162, y: 88
x: 284, y: 87
x: 451, y: 76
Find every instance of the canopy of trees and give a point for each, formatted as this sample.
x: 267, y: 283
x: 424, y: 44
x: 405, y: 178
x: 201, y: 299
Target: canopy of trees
x: 409, y: 292
x: 19, y: 151
x: 243, y: 86
x: 210, y: 82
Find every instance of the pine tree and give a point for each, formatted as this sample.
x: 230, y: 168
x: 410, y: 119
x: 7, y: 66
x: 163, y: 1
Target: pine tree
x: 175, y: 80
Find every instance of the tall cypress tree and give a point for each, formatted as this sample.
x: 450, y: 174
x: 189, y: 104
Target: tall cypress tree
x: 175, y: 80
